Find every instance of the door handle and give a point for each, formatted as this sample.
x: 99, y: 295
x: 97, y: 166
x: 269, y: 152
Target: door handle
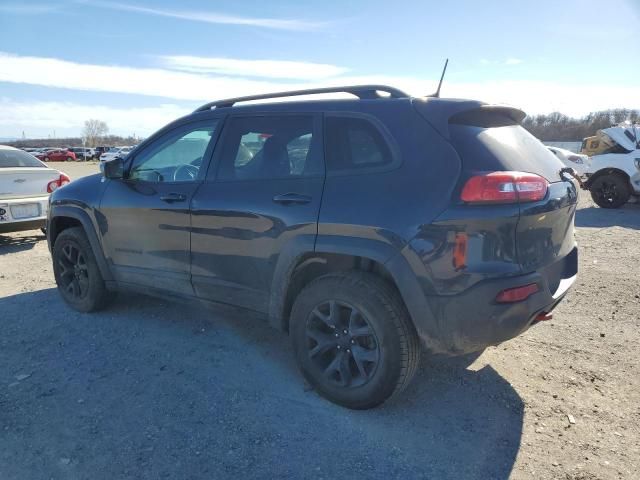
x: 292, y: 198
x: 173, y: 197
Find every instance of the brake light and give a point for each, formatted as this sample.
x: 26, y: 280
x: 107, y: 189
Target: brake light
x: 517, y: 294
x: 61, y: 181
x: 504, y: 187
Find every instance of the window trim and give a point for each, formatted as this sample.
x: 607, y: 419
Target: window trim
x: 392, y: 145
x: 169, y: 131
x: 318, y: 130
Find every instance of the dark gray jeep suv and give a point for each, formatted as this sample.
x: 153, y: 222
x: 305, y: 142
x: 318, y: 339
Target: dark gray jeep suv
x: 368, y: 229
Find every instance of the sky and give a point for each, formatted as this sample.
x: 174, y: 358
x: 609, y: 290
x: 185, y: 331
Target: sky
x: 139, y: 64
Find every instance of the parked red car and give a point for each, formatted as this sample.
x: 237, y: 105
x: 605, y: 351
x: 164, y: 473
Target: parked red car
x: 60, y: 155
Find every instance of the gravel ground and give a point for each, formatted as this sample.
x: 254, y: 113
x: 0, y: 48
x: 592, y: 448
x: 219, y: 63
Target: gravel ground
x: 153, y: 389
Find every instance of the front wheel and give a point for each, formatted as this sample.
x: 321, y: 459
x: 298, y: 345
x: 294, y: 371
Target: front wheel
x: 353, y: 339
x: 76, y: 272
x: 610, y: 191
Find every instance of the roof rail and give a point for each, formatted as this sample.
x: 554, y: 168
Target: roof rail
x: 364, y: 92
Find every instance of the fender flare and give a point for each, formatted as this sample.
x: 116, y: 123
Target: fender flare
x: 606, y: 171
x: 383, y: 253
x: 83, y: 217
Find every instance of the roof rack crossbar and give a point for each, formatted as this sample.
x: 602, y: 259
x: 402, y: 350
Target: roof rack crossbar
x: 364, y: 92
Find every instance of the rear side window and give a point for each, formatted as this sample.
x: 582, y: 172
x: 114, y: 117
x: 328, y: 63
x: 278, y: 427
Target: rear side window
x: 18, y: 158
x: 354, y: 143
x: 508, y: 147
x: 269, y: 147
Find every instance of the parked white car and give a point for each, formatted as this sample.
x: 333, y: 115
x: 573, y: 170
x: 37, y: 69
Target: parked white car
x: 613, y: 176
x: 25, y: 185
x: 114, y: 152
x: 577, y: 161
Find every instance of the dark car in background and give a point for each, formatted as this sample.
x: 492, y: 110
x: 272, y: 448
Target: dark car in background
x: 368, y: 229
x: 83, y: 153
x: 100, y: 150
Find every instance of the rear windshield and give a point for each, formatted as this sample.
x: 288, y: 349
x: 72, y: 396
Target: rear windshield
x: 18, y: 158
x: 508, y: 147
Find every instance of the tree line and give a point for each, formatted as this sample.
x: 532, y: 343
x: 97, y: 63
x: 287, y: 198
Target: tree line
x: 547, y: 127
x: 562, y: 128
x: 95, y: 133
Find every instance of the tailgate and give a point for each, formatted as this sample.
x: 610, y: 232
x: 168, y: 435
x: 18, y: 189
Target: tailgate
x: 489, y: 140
x: 545, y: 234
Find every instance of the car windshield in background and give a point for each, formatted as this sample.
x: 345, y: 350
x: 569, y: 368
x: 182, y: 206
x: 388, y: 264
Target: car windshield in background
x: 18, y: 158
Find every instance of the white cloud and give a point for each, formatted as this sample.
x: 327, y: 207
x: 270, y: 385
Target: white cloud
x: 252, y: 68
x: 212, y: 17
x: 141, y: 81
x: 39, y: 119
x: 513, y: 61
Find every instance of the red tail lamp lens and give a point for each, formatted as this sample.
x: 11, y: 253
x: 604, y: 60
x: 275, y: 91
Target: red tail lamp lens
x: 504, y: 187
x: 61, y: 181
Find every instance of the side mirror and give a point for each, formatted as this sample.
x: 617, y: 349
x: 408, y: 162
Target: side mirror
x: 113, y: 169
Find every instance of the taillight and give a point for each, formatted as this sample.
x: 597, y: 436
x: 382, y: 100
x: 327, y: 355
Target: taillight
x: 504, y: 187
x: 517, y: 294
x: 61, y: 181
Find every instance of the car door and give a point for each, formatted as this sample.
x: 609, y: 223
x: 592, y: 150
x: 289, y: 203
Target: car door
x: 265, y: 198
x: 144, y: 217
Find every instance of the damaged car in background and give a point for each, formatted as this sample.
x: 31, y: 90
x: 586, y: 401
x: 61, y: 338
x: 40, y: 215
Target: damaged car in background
x: 613, y: 175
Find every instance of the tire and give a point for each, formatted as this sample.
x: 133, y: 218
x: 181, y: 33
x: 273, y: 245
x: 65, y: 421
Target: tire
x: 69, y: 159
x: 76, y: 272
x: 610, y: 191
x: 381, y: 332
x: 44, y: 231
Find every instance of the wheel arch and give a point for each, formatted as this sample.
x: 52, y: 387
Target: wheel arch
x: 297, y: 267
x: 63, y: 217
x: 608, y: 171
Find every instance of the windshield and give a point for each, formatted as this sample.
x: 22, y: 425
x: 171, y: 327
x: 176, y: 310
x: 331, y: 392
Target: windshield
x: 113, y: 149
x: 18, y: 158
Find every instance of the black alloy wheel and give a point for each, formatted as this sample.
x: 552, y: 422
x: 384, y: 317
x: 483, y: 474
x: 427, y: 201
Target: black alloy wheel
x: 73, y: 273
x: 342, y: 344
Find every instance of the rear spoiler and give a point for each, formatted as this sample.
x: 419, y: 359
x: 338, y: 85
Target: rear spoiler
x: 440, y: 113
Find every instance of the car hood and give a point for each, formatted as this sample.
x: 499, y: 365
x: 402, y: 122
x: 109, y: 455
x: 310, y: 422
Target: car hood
x: 618, y: 135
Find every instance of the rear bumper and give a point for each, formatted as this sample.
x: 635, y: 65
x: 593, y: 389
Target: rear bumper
x: 10, y: 224
x: 472, y: 320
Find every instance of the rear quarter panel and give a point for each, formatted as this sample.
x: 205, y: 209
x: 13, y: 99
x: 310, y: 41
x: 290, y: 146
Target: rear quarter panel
x: 392, y: 206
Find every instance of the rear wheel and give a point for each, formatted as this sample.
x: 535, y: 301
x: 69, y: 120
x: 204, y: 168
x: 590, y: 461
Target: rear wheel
x: 610, y: 191
x: 69, y: 159
x: 76, y: 272
x: 353, y: 339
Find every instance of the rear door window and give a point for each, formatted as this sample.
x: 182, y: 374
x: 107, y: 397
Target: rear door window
x: 269, y: 147
x: 355, y: 143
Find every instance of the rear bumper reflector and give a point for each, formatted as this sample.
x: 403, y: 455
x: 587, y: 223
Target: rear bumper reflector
x: 517, y: 294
